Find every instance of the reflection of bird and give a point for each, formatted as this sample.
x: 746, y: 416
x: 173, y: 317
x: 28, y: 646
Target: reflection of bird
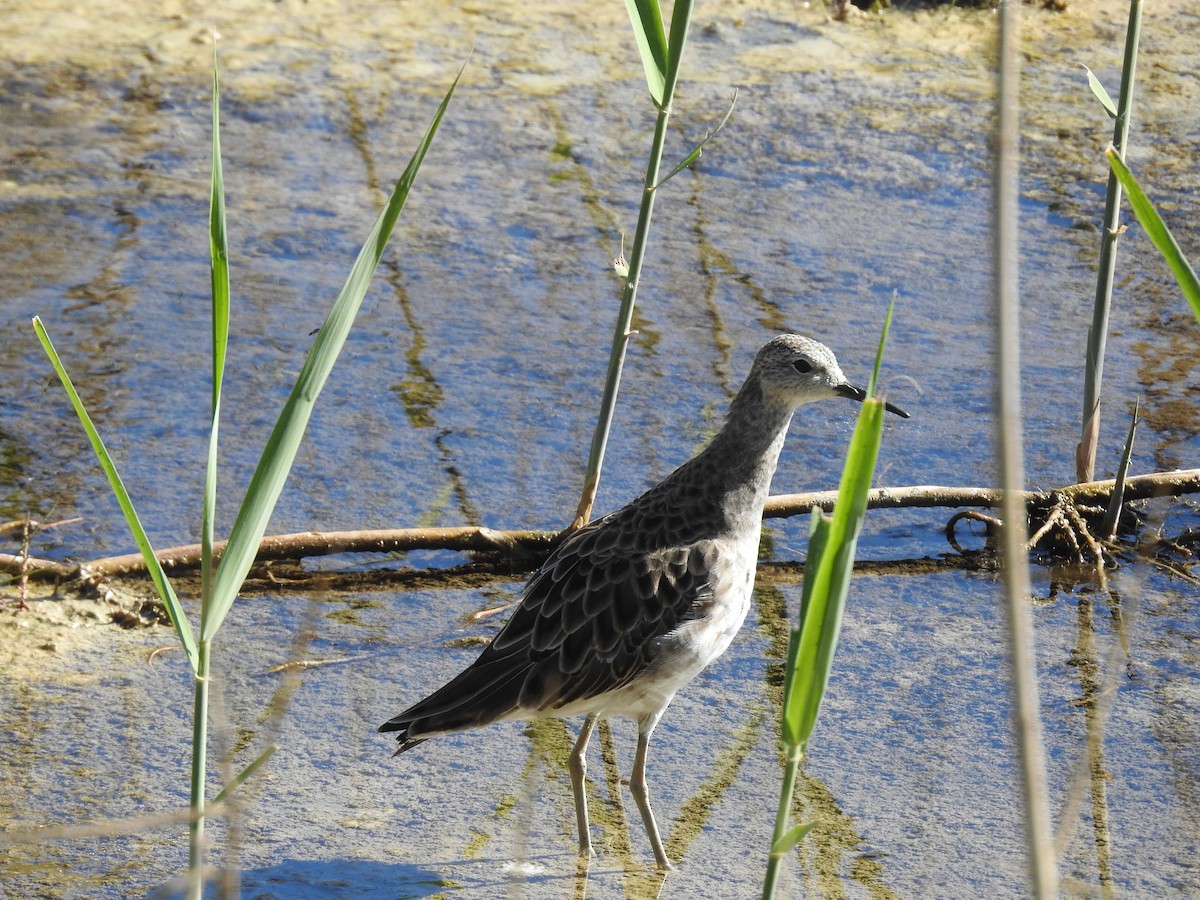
x: 631, y: 607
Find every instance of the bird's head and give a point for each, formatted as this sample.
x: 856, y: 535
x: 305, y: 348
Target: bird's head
x: 795, y: 370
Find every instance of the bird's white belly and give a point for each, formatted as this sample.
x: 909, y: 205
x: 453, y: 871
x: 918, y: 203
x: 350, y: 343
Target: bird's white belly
x: 684, y: 653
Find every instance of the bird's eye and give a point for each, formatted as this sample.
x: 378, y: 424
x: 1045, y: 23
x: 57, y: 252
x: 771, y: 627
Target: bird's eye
x: 803, y: 366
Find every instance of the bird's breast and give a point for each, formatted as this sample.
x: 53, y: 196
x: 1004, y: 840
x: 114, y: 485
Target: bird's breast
x: 705, y: 636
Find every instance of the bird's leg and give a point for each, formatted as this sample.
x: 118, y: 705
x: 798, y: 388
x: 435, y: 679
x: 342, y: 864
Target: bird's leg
x: 577, y: 766
x: 637, y: 787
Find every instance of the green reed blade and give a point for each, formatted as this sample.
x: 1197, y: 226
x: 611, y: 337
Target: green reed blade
x: 813, y: 642
x: 830, y: 564
x: 219, y: 261
x: 271, y: 472
x: 831, y: 575
x: 646, y: 16
x: 681, y: 17
x: 795, y: 703
x: 165, y: 590
x: 1158, y: 232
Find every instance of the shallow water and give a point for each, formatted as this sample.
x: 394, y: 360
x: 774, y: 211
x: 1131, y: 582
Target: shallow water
x: 855, y: 164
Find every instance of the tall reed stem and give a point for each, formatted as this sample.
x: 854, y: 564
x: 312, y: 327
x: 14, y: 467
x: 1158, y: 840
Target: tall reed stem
x: 681, y: 16
x: 199, y: 771
x: 1043, y: 874
x: 786, y: 792
x: 623, y: 330
x: 1085, y: 452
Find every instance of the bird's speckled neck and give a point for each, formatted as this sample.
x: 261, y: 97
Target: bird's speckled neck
x: 738, y: 465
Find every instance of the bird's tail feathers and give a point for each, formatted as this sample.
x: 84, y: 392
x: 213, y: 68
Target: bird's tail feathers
x: 477, y: 696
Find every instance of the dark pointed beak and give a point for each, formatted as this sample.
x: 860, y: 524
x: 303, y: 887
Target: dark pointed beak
x: 856, y: 393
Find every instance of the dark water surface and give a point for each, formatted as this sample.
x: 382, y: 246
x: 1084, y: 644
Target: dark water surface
x: 855, y: 165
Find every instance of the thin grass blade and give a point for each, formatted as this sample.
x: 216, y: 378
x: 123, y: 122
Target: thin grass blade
x: 280, y: 451
x: 698, y: 150
x: 1158, y: 232
x: 791, y: 838
x: 646, y: 17
x: 165, y: 590
x: 1101, y: 94
x: 240, y: 779
x: 887, y: 326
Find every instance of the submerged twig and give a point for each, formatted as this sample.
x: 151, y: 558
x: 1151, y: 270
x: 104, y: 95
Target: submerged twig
x: 993, y: 526
x: 295, y: 665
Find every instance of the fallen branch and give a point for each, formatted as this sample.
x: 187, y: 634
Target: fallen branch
x: 535, y: 544
x: 36, y: 569
x: 315, y: 543
x: 1140, y: 487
